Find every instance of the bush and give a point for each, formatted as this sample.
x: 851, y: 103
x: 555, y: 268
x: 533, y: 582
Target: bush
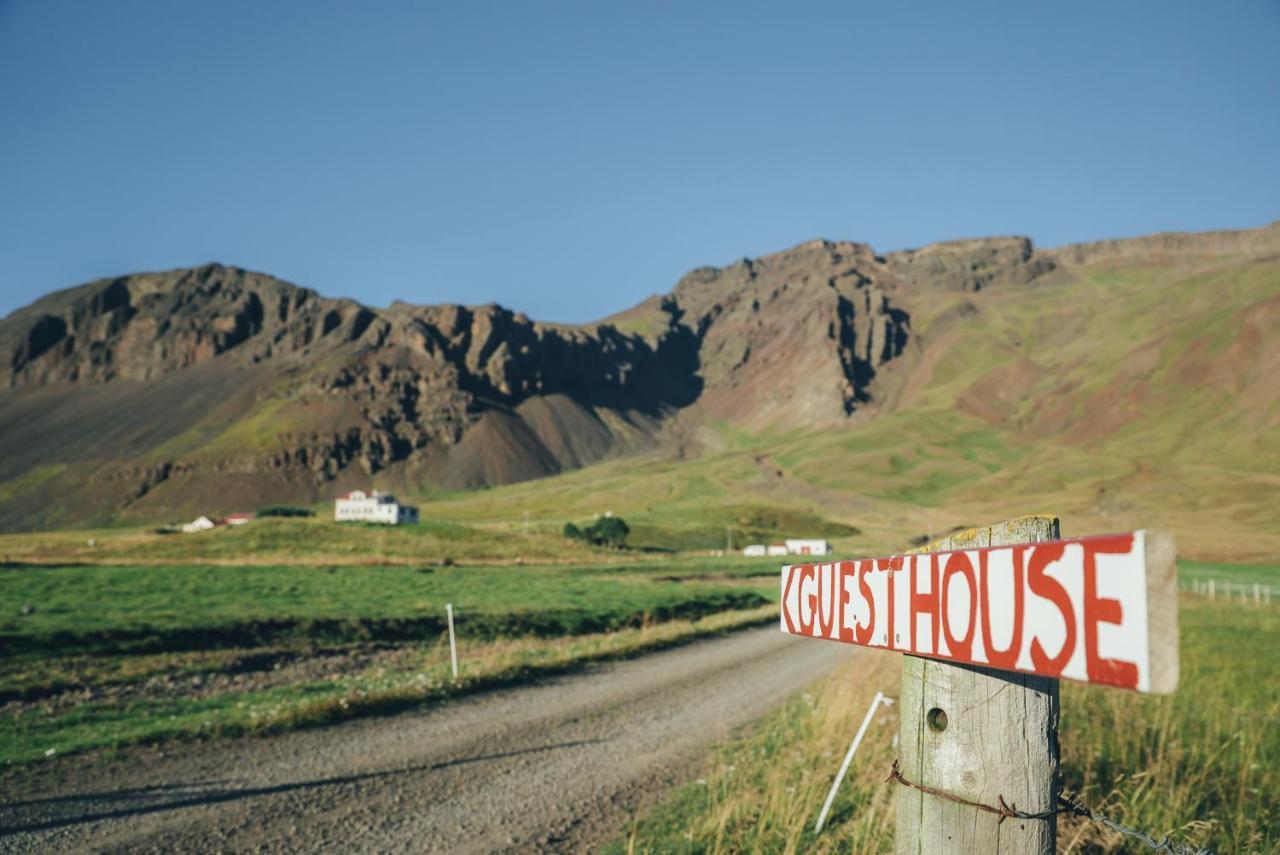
x: 285, y: 511
x: 606, y: 531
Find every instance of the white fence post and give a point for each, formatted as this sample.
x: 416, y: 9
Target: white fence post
x: 453, y: 644
x: 848, y: 757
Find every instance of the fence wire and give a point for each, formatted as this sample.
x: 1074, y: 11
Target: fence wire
x: 1066, y: 804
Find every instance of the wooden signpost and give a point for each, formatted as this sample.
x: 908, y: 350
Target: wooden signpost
x: 990, y: 619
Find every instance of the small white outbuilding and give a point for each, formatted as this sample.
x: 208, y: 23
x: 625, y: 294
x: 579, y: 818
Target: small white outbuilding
x: 755, y: 550
x: 198, y: 524
x: 808, y: 547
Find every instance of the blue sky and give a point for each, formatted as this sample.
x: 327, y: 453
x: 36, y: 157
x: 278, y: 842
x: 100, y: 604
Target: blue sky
x: 568, y: 159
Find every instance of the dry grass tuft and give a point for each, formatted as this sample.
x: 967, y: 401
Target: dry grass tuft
x: 763, y: 792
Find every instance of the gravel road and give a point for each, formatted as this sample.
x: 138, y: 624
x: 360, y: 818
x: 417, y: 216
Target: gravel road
x: 560, y: 765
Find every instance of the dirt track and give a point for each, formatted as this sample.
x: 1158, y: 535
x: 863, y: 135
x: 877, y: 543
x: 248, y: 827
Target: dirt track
x: 560, y: 765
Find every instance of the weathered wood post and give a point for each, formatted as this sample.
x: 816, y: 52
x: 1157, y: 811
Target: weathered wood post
x: 980, y: 734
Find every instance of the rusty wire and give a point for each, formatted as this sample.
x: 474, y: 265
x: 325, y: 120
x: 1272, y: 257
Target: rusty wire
x: 1066, y: 804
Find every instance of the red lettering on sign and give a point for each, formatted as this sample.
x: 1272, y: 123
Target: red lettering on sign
x: 825, y: 626
x: 1008, y: 657
x: 807, y: 573
x: 1097, y: 587
x: 1102, y: 610
x: 1050, y: 589
x: 926, y: 603
x: 961, y: 648
x: 847, y: 571
x: 889, y: 636
x: 786, y: 600
x: 862, y: 634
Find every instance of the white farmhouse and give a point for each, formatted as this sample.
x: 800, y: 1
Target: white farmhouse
x: 755, y: 550
x: 359, y: 506
x: 197, y: 524
x: 808, y: 547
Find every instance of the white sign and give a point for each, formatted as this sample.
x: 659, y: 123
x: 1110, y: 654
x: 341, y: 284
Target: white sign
x: 1094, y: 609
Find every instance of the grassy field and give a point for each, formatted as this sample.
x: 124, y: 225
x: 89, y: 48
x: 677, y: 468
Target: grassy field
x: 298, y: 541
x: 474, y: 539
x: 95, y: 656
x: 1232, y: 574
x: 1202, y: 765
x: 122, y: 609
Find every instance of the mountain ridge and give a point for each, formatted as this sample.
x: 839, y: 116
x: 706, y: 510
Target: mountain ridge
x: 157, y: 393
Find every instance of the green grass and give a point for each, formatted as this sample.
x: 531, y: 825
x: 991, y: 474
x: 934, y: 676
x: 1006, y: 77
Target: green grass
x: 112, y: 609
x: 1202, y: 765
x: 125, y: 642
x: 317, y: 540
x: 715, y: 525
x: 1235, y: 574
x: 691, y: 523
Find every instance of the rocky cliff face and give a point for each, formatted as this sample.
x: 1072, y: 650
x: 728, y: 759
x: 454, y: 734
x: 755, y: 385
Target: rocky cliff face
x: 145, y: 326
x: 971, y: 265
x: 792, y: 338
x: 1169, y: 247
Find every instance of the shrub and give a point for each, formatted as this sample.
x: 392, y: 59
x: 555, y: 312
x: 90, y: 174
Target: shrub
x: 606, y: 531
x: 285, y: 511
